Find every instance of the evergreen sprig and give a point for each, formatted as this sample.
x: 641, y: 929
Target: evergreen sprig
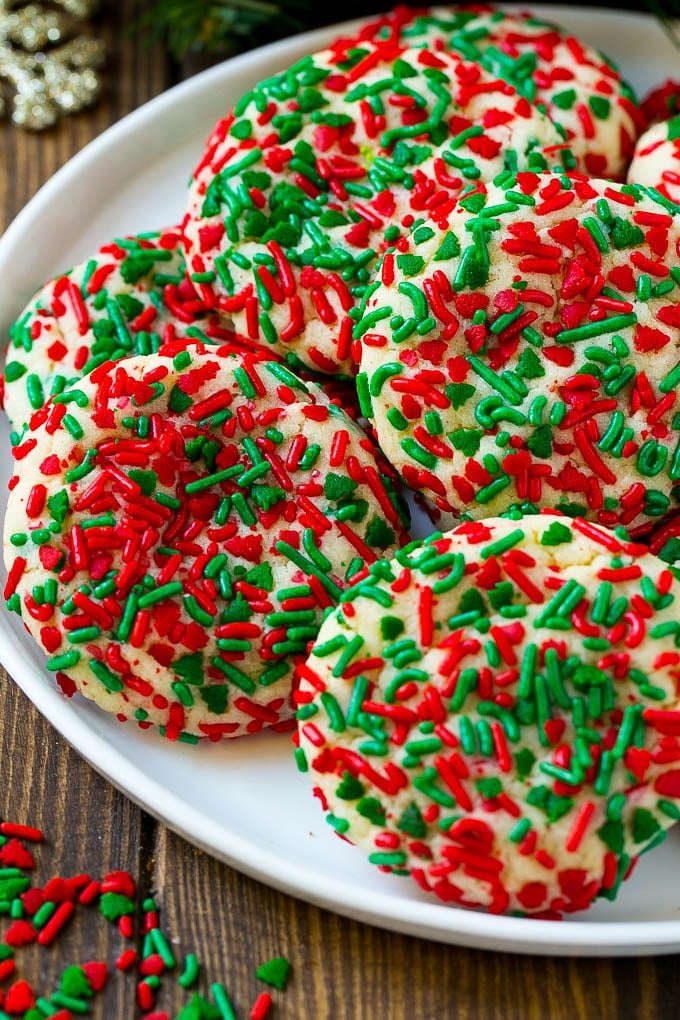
x: 219, y: 26
x: 226, y: 26
x: 667, y: 13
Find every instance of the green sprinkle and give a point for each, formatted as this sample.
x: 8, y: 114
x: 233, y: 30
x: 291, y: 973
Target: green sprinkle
x: 599, y: 328
x: 596, y: 232
x: 83, y: 469
x: 413, y: 449
x: 214, y: 479
x: 426, y: 784
x: 561, y: 604
x: 113, y: 906
x: 245, y: 383
x: 503, y: 544
x: 669, y: 808
x: 488, y: 492
x: 556, y: 534
x: 394, y: 417
x: 237, y: 677
x: 425, y: 746
x: 310, y: 456
x: 162, y: 947
x: 671, y: 380
x: 357, y: 698
x: 349, y: 651
x: 64, y: 661
x: 110, y: 680
x: 382, y: 374
x: 190, y: 974
x: 502, y: 384
x: 336, y: 720
x: 70, y: 1003
x: 223, y: 1002
x: 14, y: 370
x: 274, y: 972
x: 309, y: 568
x: 158, y: 594
x: 519, y: 831
x: 34, y: 391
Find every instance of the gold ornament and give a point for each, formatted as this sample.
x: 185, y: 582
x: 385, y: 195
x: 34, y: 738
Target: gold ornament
x: 50, y: 66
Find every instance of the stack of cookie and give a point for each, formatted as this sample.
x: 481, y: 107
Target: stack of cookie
x: 408, y: 266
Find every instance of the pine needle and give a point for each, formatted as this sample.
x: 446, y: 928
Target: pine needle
x: 216, y: 26
x: 226, y: 26
x: 667, y: 13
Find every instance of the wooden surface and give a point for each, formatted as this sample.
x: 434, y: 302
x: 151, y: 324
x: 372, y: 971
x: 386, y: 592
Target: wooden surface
x: 341, y: 969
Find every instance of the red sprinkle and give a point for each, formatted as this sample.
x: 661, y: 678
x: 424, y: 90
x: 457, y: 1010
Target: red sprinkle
x: 58, y: 920
x: 21, y: 832
x: 260, y: 1007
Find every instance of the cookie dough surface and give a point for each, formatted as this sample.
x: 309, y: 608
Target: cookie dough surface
x: 176, y: 527
x: 529, y: 353
x: 131, y: 296
x: 495, y: 713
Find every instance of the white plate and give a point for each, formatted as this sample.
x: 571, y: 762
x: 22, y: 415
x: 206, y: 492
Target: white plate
x: 244, y: 801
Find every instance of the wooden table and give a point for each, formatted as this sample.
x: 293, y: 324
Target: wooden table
x: 341, y: 969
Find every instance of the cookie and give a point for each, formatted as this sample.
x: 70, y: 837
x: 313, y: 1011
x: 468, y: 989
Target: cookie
x: 176, y: 527
x: 528, y: 355
x: 318, y: 168
x: 579, y: 88
x: 495, y: 713
x: 131, y: 296
x: 656, y: 162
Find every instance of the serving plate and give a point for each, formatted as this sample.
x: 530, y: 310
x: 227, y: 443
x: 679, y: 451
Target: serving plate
x: 243, y: 801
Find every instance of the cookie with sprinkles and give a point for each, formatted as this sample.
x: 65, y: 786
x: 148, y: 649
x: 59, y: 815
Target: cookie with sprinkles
x: 178, y: 524
x: 580, y: 89
x: 656, y: 162
x: 529, y: 354
x: 495, y: 713
x: 131, y: 296
x: 318, y: 168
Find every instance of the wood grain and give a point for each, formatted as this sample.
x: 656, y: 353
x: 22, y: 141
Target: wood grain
x: 89, y: 828
x: 342, y: 970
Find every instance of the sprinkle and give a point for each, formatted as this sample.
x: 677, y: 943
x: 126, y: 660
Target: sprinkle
x: 191, y: 971
x: 275, y: 972
x: 58, y: 920
x: 222, y: 1001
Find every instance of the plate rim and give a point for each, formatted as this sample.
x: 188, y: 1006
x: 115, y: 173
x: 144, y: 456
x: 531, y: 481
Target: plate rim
x: 425, y: 920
